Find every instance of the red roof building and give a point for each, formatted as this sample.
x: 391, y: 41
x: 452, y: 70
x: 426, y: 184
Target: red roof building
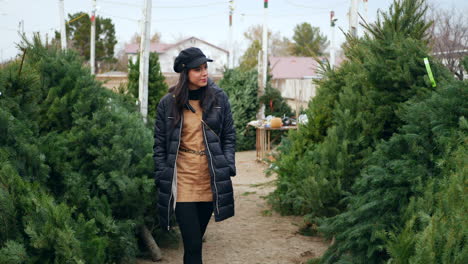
x: 293, y: 67
x: 293, y: 77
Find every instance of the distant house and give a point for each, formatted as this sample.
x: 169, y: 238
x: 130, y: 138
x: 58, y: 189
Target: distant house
x: 452, y: 60
x: 168, y: 52
x: 293, y: 77
x: 113, y: 79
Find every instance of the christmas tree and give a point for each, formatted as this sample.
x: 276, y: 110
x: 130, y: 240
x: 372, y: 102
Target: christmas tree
x: 76, y: 164
x: 157, y: 87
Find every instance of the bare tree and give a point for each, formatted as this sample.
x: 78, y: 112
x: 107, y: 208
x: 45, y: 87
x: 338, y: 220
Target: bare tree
x: 277, y: 45
x: 122, y: 61
x: 450, y: 38
x: 136, y: 38
x: 122, y: 57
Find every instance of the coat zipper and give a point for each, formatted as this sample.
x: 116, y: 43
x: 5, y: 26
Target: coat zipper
x: 211, y: 129
x: 212, y: 169
x: 175, y: 172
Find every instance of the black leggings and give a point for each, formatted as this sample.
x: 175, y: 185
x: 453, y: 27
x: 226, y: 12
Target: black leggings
x: 193, y: 218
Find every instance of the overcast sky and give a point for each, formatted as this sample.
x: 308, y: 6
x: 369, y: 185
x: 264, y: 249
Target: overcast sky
x: 175, y: 19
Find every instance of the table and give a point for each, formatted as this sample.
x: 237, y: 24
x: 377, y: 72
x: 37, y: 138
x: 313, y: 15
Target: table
x: 263, y: 140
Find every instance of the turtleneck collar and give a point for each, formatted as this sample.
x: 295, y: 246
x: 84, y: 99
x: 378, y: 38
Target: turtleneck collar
x: 195, y: 94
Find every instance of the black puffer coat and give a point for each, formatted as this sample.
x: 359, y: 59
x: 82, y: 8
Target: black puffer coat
x: 219, y: 138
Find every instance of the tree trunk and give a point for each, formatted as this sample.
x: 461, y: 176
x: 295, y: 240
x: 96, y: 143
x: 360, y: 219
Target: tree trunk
x: 150, y: 243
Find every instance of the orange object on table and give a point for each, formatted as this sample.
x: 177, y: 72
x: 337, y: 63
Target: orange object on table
x: 276, y: 122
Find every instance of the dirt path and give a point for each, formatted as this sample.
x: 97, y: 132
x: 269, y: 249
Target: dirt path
x: 255, y: 235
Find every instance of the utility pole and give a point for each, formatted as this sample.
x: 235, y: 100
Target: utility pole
x: 265, y: 42
x: 144, y: 60
x: 365, y: 10
x: 353, y: 18
x: 263, y: 69
x: 260, y: 90
x: 92, y: 55
x: 21, y: 26
x: 332, y: 42
x: 63, y: 32
x: 231, y: 46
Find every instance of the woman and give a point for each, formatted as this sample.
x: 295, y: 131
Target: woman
x: 194, y: 147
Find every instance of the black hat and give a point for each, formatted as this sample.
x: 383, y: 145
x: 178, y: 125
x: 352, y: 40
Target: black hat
x: 189, y: 59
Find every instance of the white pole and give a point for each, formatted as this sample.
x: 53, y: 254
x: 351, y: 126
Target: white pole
x: 21, y: 26
x: 264, y: 61
x: 332, y: 50
x: 92, y: 55
x: 231, y: 46
x: 332, y: 41
x: 144, y: 60
x: 353, y: 18
x: 260, y: 91
x: 63, y: 32
x: 265, y: 43
x: 365, y: 10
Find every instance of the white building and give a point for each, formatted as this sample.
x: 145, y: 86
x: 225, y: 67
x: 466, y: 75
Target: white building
x: 453, y: 61
x: 168, y: 52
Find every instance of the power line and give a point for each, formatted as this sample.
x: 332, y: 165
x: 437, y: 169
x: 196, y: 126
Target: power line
x: 180, y: 6
x: 120, y: 3
x: 283, y: 15
x: 188, y: 18
x: 211, y: 16
x: 121, y: 17
x: 314, y: 7
x: 165, y: 20
x: 193, y: 6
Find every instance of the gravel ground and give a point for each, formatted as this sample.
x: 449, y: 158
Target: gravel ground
x: 256, y: 234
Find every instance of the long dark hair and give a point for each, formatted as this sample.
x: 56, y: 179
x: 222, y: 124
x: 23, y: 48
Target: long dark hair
x: 181, y: 93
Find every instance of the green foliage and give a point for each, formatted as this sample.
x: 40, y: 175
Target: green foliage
x: 436, y: 229
x: 465, y: 63
x: 406, y: 18
x: 378, y: 133
x: 157, y: 87
x: 79, y: 32
x: 249, y: 60
x: 399, y: 170
x: 277, y: 46
x: 12, y: 253
x: 51, y: 231
x: 75, y: 164
x: 308, y: 41
x: 356, y: 107
x: 293, y: 162
x: 275, y: 104
x: 241, y: 87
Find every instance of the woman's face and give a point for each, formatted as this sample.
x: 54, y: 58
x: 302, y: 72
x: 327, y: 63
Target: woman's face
x: 198, y: 77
